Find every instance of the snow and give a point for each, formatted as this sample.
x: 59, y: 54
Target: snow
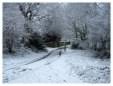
x: 73, y: 66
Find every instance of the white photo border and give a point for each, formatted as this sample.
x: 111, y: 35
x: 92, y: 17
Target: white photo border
x: 51, y: 1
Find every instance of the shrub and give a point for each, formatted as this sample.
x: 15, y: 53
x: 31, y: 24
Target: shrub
x: 75, y: 46
x: 52, y: 39
x: 34, y: 41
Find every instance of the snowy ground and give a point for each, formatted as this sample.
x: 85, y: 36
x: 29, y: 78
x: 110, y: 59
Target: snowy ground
x: 73, y: 66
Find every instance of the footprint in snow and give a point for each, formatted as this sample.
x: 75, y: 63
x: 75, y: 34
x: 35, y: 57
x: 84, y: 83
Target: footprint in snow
x: 64, y: 81
x: 25, y: 70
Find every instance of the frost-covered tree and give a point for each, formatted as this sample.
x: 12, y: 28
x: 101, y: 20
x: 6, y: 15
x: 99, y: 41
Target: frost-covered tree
x: 27, y: 10
x: 99, y: 24
x: 30, y: 11
x: 52, y: 32
x: 100, y: 29
x: 12, y: 27
x: 11, y: 37
x: 95, y: 17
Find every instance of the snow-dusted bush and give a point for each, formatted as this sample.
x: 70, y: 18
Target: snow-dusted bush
x: 52, y: 39
x: 75, y: 44
x: 34, y: 41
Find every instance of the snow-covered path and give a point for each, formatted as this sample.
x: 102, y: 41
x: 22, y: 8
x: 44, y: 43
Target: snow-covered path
x: 73, y: 66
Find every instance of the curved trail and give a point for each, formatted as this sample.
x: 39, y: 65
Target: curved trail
x: 43, y: 57
x: 37, y: 59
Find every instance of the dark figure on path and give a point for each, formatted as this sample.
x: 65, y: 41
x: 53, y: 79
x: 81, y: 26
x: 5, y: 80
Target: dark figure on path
x: 65, y: 46
x: 60, y: 52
